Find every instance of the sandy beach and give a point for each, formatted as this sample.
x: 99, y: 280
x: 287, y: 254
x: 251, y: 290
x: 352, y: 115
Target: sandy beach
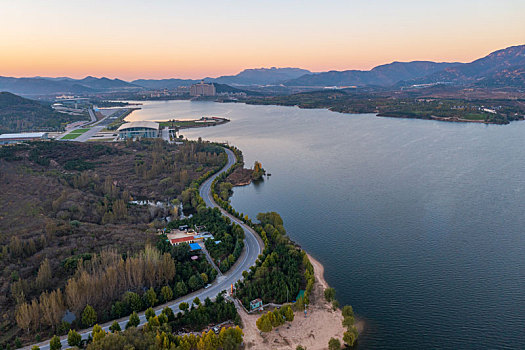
x: 312, y: 332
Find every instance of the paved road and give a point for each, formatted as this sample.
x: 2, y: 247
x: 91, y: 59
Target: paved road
x: 92, y: 115
x: 166, y: 134
x: 253, y: 246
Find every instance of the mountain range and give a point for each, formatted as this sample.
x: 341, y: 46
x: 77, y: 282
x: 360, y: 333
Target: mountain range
x: 502, y: 68
x: 47, y: 86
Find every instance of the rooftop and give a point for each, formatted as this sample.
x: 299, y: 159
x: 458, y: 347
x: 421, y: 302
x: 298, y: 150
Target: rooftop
x: 140, y: 124
x: 23, y: 135
x: 181, y: 240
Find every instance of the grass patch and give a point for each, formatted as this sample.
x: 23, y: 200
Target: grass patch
x: 74, y: 134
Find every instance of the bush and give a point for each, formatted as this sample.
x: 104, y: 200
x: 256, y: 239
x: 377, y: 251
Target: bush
x: 329, y: 294
x: 334, y: 344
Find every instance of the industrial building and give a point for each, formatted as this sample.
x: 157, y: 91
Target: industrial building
x: 142, y: 129
x: 21, y: 137
x: 202, y: 89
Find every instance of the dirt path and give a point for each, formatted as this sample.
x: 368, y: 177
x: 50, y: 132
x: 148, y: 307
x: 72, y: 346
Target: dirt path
x: 313, y: 332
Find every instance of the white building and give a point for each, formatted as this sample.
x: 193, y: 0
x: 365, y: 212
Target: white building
x: 21, y: 137
x: 142, y: 129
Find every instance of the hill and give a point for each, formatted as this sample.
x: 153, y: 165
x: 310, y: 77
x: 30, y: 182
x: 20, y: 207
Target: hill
x: 500, y: 68
x: 105, y: 83
x: 384, y: 75
x: 51, y: 86
x: 164, y: 83
x: 21, y: 114
x: 261, y: 76
x: 256, y: 76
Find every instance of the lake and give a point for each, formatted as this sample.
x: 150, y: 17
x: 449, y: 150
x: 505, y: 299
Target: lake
x: 419, y: 224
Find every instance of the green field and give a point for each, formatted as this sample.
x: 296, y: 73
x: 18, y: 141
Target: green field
x: 74, y: 134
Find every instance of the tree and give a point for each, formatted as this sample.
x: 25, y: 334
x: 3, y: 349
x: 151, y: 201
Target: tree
x: 347, y: 311
x: 300, y: 347
x: 115, y: 327
x: 264, y: 324
x: 348, y: 321
x: 98, y: 333
x: 54, y: 343
x: 329, y: 294
x: 167, y: 293
x: 183, y: 306
x: 350, y: 336
x: 23, y: 316
x: 288, y: 313
x: 169, y: 313
x: 150, y: 297
x: 195, y: 282
x: 89, y: 316
x: 43, y: 278
x: 73, y: 338
x: 204, y: 277
x: 181, y: 288
x: 335, y: 305
x: 134, y: 320
x: 196, y: 301
x: 52, y: 307
x: 258, y: 171
x: 150, y: 313
x: 334, y: 344
x: 230, y: 338
x: 133, y: 300
x: 35, y: 347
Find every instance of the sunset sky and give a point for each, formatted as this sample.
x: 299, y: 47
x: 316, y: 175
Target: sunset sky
x: 132, y: 39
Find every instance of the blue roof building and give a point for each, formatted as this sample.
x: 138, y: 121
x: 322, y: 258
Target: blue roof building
x: 194, y: 246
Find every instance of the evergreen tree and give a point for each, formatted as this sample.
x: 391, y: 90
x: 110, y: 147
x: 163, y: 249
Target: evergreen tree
x: 89, y: 316
x: 73, y: 338
x: 54, y: 343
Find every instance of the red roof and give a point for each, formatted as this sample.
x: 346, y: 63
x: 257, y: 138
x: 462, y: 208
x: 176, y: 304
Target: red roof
x: 182, y: 240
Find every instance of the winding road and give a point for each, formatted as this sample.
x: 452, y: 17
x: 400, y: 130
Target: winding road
x: 253, y: 246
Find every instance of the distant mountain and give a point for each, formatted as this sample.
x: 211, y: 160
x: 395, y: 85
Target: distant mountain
x: 50, y: 86
x: 224, y: 88
x: 500, y: 68
x: 106, y: 84
x: 261, y: 76
x: 21, y: 114
x: 41, y: 86
x: 384, y: 75
x: 163, y: 83
x: 257, y: 76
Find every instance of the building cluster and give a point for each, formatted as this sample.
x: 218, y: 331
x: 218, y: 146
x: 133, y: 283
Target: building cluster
x: 202, y: 89
x: 185, y: 234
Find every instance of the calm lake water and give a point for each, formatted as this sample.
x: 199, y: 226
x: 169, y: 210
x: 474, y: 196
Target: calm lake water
x: 419, y: 224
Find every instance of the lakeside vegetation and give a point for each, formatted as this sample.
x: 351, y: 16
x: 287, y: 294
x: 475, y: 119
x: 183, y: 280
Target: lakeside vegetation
x: 18, y: 114
x: 194, y: 123
x: 161, y: 332
x: 493, y: 111
x: 67, y: 221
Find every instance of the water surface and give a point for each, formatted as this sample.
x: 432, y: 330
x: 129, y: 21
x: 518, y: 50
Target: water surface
x: 420, y: 224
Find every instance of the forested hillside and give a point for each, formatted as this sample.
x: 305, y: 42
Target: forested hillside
x: 21, y: 114
x: 70, y: 233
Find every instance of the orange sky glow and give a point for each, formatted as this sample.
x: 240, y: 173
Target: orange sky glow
x: 164, y: 39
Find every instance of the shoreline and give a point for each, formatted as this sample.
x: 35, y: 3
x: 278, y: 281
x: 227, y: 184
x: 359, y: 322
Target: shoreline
x: 313, y: 331
x: 319, y: 275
